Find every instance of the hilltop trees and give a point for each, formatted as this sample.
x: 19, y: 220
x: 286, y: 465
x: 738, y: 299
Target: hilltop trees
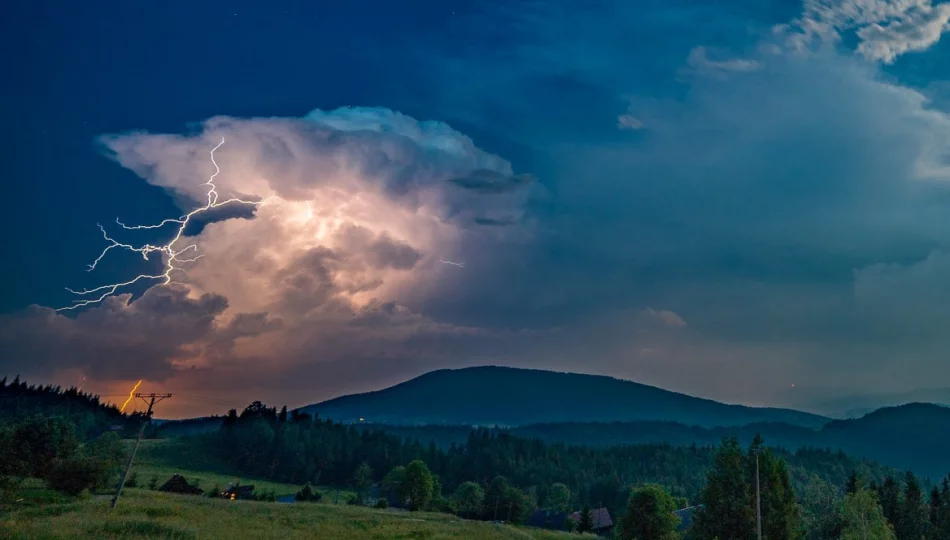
x: 649, y: 515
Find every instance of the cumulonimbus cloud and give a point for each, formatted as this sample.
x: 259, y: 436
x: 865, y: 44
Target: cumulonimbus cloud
x: 357, y: 207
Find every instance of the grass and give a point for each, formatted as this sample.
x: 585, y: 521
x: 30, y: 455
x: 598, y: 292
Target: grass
x: 152, y: 515
x: 164, y: 457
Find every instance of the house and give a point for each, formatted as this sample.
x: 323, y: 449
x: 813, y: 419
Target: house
x: 686, y: 516
x: 178, y: 484
x: 601, y: 518
x: 548, y: 519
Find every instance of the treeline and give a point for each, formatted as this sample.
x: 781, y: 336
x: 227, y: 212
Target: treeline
x: 88, y: 416
x: 298, y: 448
x: 49, y: 448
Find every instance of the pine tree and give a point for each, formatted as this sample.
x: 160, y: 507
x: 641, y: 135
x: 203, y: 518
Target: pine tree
x: 853, y: 483
x: 890, y: 500
x: 586, y: 521
x: 912, y: 522
x: 728, y: 506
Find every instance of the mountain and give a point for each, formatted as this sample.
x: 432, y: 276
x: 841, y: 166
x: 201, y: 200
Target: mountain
x: 502, y: 396
x: 856, y: 406
x: 910, y: 437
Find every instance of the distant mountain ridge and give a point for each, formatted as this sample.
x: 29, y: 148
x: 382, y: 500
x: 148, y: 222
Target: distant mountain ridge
x: 909, y: 437
x: 504, y: 396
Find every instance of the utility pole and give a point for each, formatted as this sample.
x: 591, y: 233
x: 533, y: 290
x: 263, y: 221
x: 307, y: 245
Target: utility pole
x: 151, y: 400
x: 758, y: 497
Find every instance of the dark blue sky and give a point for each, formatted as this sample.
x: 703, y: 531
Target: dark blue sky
x: 776, y: 214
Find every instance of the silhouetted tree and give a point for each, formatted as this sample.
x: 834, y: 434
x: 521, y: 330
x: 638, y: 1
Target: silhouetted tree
x: 649, y: 515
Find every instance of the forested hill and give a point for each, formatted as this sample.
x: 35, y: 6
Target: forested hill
x: 911, y: 437
x: 489, y: 396
x: 19, y: 400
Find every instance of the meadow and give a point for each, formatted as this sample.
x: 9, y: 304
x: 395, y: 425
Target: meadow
x: 148, y: 514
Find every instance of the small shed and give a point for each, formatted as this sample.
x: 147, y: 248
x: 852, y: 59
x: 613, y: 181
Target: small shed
x: 178, y: 484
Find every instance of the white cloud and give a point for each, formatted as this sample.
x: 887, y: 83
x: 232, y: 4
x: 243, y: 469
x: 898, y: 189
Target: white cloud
x: 886, y: 29
x: 358, y: 207
x: 667, y: 317
x: 698, y: 62
x: 628, y: 121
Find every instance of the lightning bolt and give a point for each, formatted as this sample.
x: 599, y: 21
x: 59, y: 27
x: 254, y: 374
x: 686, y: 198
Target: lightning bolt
x: 460, y: 265
x: 172, y: 254
x: 131, y: 395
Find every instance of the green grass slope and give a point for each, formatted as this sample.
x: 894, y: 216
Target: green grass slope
x: 143, y: 514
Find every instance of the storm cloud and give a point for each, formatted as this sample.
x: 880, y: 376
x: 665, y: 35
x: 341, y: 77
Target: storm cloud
x: 719, y: 200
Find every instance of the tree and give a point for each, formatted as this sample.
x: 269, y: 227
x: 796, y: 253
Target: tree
x: 469, y: 498
x: 649, y: 515
x: 912, y: 522
x: 863, y: 518
x: 586, y: 521
x: 418, y: 485
x: 853, y: 483
x: 558, y: 498
x: 394, y: 484
x: 821, y: 510
x: 727, y: 504
x: 890, y: 500
x: 362, y: 481
x: 781, y: 516
x: 75, y: 474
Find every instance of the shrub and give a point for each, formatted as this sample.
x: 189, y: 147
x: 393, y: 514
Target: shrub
x: 352, y: 500
x: 382, y: 503
x: 74, y: 475
x: 133, y: 480
x: 307, y: 493
x: 153, y: 483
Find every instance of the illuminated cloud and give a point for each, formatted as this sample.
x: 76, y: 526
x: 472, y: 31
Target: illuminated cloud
x: 357, y: 207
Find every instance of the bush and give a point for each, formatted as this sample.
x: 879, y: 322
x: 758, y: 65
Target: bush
x: 153, y: 483
x: 307, y: 493
x: 382, y: 503
x: 352, y: 500
x: 133, y: 480
x: 215, y: 492
x: 74, y: 475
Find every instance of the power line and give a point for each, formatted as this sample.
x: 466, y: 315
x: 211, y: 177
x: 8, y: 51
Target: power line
x: 151, y: 400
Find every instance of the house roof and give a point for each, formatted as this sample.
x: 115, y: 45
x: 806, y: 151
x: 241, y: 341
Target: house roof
x: 600, y: 517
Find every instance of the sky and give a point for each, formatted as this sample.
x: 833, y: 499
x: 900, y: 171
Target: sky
x: 747, y: 201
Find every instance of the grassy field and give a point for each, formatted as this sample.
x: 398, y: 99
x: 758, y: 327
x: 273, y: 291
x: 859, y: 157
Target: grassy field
x: 153, y: 515
x: 164, y: 457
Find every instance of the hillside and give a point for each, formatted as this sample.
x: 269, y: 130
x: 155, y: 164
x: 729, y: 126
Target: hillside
x: 146, y: 514
x: 501, y: 396
x: 913, y: 437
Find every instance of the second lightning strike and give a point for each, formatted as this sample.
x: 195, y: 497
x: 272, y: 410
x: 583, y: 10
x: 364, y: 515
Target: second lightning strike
x: 168, y: 249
